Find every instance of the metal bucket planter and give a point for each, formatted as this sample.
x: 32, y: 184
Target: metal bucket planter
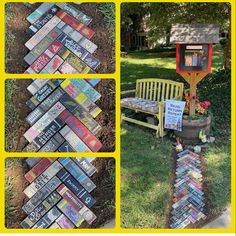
x: 191, y: 129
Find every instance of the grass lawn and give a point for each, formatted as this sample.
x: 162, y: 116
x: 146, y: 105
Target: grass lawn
x: 146, y: 162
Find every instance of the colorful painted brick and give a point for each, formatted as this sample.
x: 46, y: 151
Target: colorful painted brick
x: 41, y: 195
x: 78, y: 174
x: 71, y: 183
x: 41, y: 210
x: 48, y: 132
x: 81, y: 131
x: 77, y: 204
x: 42, y: 179
x: 44, y: 121
x: 48, y: 219
x: 38, y: 169
x: 76, y: 143
x: 64, y: 223
x: 33, y: 41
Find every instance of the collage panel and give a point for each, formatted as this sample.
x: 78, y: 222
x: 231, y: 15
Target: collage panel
x: 64, y: 38
x: 64, y: 115
x: 176, y: 116
x: 59, y: 193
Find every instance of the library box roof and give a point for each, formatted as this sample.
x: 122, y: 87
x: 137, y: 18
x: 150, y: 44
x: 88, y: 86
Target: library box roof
x: 199, y: 34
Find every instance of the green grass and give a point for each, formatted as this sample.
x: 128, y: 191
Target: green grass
x: 9, y: 35
x: 146, y: 162
x: 10, y: 208
x: 218, y: 177
x: 140, y: 65
x: 11, y: 115
x: 109, y: 11
x: 146, y: 174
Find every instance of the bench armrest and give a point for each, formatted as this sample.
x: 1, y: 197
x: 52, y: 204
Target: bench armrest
x: 127, y: 91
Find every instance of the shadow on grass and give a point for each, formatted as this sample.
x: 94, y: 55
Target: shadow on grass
x: 146, y: 178
x: 131, y: 72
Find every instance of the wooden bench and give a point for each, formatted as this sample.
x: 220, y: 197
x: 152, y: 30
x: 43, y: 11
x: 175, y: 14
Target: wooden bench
x: 150, y: 96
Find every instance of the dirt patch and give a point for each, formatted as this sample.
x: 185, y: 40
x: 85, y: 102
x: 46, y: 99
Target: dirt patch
x: 106, y: 118
x: 104, y: 193
x: 16, y: 37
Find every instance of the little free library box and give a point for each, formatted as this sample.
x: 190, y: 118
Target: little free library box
x: 194, y: 53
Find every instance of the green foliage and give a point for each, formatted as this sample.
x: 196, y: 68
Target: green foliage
x: 11, y: 115
x: 9, y: 36
x: 216, y: 88
x: 109, y: 11
x: 160, y: 16
x: 10, y: 208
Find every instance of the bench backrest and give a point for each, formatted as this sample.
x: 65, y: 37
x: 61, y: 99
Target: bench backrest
x: 159, y: 89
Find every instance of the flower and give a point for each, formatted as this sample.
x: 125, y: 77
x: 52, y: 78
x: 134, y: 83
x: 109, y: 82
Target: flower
x: 200, y: 107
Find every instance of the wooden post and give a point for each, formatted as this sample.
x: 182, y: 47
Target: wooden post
x: 193, y: 79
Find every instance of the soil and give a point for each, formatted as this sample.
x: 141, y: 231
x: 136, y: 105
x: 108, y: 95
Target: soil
x: 106, y: 118
x: 104, y: 193
x: 16, y: 37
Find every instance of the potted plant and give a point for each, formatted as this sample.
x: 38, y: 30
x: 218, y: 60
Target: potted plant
x: 196, y: 126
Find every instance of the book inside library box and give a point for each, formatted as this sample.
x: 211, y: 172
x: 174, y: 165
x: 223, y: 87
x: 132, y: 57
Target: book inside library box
x: 193, y: 57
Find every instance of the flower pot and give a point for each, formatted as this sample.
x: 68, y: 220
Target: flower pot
x: 191, y: 129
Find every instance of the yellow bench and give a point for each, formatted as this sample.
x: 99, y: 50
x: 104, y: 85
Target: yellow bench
x: 150, y: 96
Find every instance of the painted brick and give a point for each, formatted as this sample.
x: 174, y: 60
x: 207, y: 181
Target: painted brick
x: 66, y: 68
x: 41, y: 210
x: 49, y: 132
x: 75, y: 13
x: 66, y: 147
x: 38, y: 169
x: 33, y: 41
x: 34, y: 115
x: 70, y: 212
x: 42, y: 46
x: 76, y: 143
x: 78, y: 174
x: 44, y: 7
x: 91, y: 61
x: 81, y: 98
x: 61, y: 25
x: 54, y: 64
x: 32, y: 161
x: 88, y: 45
x: 72, y: 184
x: 48, y: 219
x: 85, y: 165
x: 87, y: 32
x: 82, y: 132
x: 76, y: 36
x: 39, y: 182
x: 44, y: 121
x: 70, y: 20
x: 64, y: 223
x: 76, y: 203
x: 52, y: 99
x: 86, y: 88
x: 55, y: 225
x: 53, y: 144
x: 42, y: 93
x: 72, y: 45
x: 34, y: 87
x: 38, y: 24
x: 80, y: 113
x: 75, y: 62
x: 41, y: 195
